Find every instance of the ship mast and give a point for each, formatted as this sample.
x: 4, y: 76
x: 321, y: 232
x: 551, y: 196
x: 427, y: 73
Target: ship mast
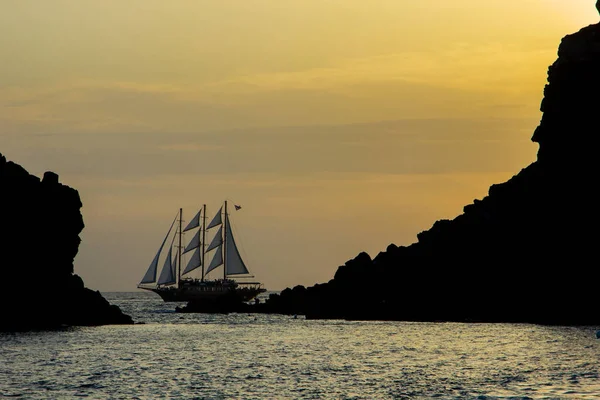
x: 179, y: 264
x: 225, y: 244
x: 203, y: 239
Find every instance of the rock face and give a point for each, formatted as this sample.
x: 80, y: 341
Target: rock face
x: 40, y: 223
x: 527, y: 252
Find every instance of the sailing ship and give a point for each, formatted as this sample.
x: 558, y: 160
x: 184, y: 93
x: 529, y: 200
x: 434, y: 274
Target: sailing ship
x: 176, y: 285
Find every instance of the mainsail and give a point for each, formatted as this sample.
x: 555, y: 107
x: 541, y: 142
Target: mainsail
x: 150, y: 276
x: 217, y: 240
x: 194, y: 243
x: 216, y: 243
x: 216, y: 220
x: 194, y: 262
x: 235, y: 264
x: 194, y: 222
x: 167, y: 275
x: 216, y: 261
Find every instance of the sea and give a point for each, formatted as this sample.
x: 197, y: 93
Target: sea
x: 168, y: 355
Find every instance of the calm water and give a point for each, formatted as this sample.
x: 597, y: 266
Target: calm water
x: 184, y: 356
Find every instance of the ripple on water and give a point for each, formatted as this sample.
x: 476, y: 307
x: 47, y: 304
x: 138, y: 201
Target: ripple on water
x: 257, y: 357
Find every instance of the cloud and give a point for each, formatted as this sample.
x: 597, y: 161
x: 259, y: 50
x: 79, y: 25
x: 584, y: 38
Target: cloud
x: 190, y: 147
x: 459, y: 81
x: 108, y: 107
x: 491, y: 67
x: 234, y: 157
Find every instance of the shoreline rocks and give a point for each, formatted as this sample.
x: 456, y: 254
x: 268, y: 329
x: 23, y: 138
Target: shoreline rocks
x: 41, y: 223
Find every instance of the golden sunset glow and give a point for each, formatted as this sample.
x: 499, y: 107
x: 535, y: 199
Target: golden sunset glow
x: 340, y: 126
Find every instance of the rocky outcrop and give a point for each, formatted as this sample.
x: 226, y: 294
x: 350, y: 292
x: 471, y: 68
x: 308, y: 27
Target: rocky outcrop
x: 527, y: 252
x: 40, y: 222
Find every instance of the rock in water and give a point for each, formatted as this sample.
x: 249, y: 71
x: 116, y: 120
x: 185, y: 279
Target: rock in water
x: 524, y: 253
x: 41, y: 222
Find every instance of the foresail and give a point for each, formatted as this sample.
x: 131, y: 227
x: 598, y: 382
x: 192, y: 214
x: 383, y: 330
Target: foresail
x: 167, y: 275
x: 194, y: 222
x: 217, y: 240
x: 194, y: 262
x: 150, y: 276
x: 216, y: 220
x: 194, y: 243
x: 216, y: 261
x: 235, y: 264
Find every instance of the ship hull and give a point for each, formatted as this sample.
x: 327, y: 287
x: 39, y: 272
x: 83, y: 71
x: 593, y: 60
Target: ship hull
x: 208, y: 292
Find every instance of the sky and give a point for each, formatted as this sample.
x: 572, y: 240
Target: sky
x: 339, y: 126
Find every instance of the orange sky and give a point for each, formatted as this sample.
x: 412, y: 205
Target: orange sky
x: 340, y: 126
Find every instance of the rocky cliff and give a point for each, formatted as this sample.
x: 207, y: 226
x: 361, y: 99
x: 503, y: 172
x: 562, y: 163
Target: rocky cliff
x: 527, y: 252
x: 40, y: 222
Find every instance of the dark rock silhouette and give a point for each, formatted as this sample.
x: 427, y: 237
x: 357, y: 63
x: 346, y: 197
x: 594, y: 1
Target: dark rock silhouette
x: 40, y: 223
x: 527, y: 252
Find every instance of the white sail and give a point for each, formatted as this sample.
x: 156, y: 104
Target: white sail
x: 194, y: 243
x: 175, y: 269
x: 194, y: 222
x: 217, y: 240
x: 216, y: 220
x: 167, y: 276
x: 216, y: 261
x: 235, y: 264
x: 194, y: 262
x: 150, y: 276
